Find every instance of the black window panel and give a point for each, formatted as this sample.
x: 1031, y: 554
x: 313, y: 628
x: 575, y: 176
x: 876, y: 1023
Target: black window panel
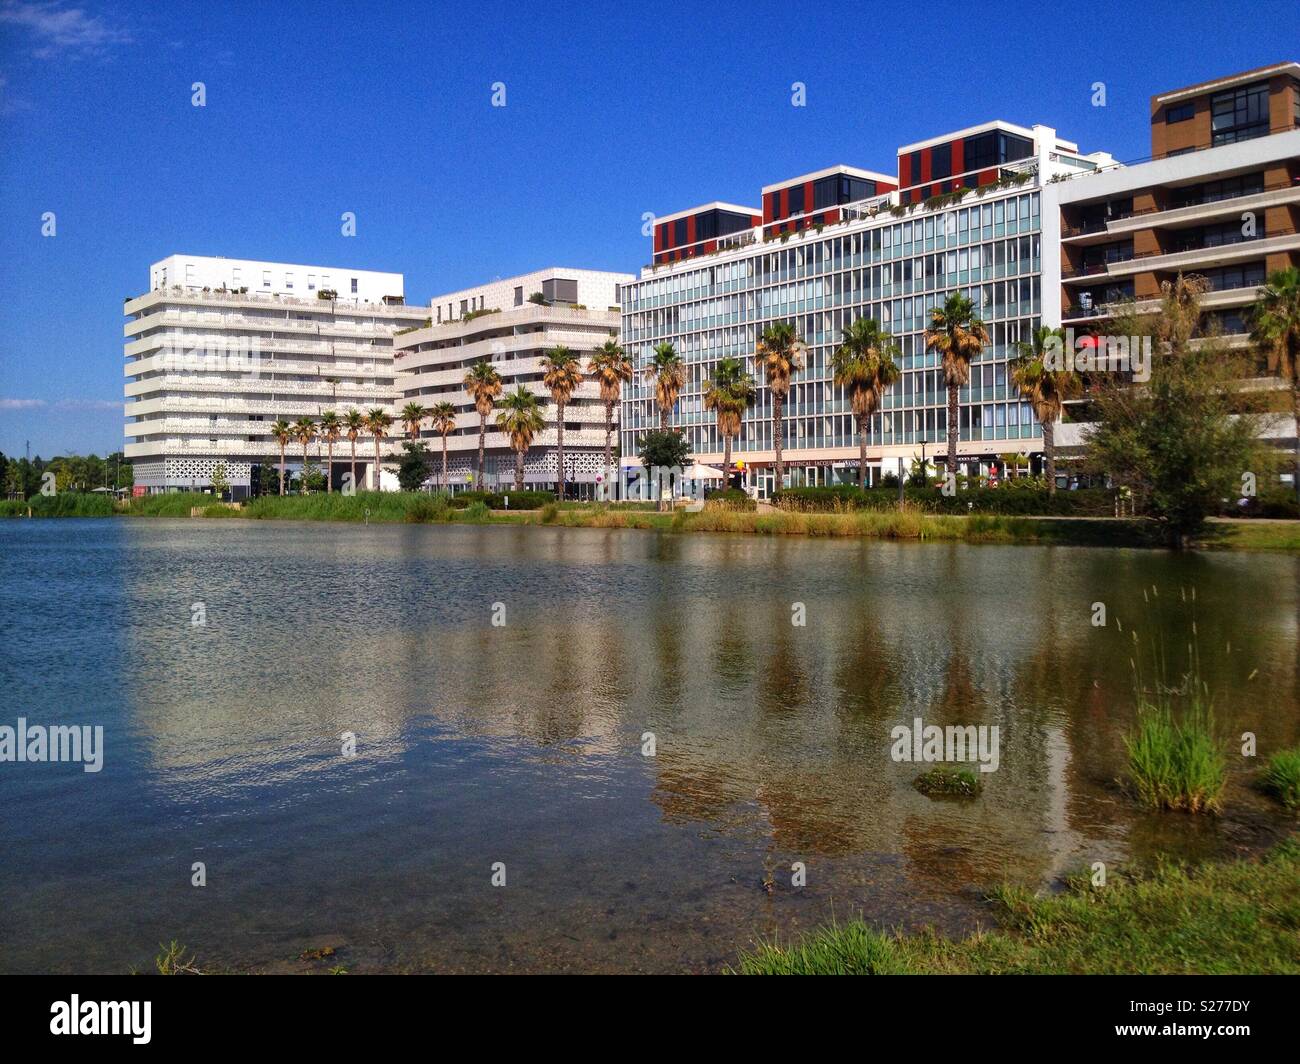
x: 731, y: 223
x: 1179, y: 113
x: 1239, y: 114
x: 796, y: 200
x: 826, y: 192
x: 679, y: 232
x: 980, y: 151
x: 941, y: 161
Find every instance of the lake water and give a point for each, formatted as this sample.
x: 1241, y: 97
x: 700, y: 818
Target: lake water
x: 522, y: 743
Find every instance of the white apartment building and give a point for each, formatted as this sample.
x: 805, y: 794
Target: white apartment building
x: 512, y: 323
x: 218, y: 349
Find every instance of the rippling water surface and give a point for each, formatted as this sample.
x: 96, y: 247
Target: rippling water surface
x: 522, y: 743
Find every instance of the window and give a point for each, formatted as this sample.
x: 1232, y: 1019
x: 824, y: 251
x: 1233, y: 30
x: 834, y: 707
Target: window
x: 1180, y: 113
x: 519, y: 296
x: 288, y: 280
x: 796, y: 201
x: 266, y: 278
x: 311, y: 282
x: 941, y: 161
x: 354, y: 286
x: 1239, y: 114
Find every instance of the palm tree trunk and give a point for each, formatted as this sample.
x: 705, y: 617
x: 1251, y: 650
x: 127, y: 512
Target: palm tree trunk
x: 559, y: 449
x: 282, y: 467
x: 354, y: 464
x: 519, y: 470
x: 609, y: 432
x: 663, y: 419
x: 329, y: 470
x: 777, y: 433
x: 377, y: 486
x: 954, y: 428
x: 726, y: 461
x: 444, y: 461
x: 1049, y: 454
x: 1295, y: 406
x: 482, y: 444
x: 863, y: 419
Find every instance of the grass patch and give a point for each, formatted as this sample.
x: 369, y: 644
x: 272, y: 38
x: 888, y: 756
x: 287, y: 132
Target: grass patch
x: 171, y: 960
x: 1240, y: 917
x: 1175, y: 761
x: 948, y: 783
x: 177, y: 504
x: 65, y: 504
x: 1251, y: 535
x: 1282, y: 778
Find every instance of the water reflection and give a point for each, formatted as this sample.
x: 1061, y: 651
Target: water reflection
x: 521, y: 742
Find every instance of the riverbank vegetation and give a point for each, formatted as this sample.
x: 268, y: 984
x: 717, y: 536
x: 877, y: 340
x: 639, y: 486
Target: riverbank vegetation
x: 1217, y: 918
x: 1176, y: 761
x: 1282, y: 778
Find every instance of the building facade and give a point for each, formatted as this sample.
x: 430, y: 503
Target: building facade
x: 1220, y: 199
x: 890, y: 256
x: 511, y: 323
x: 219, y: 349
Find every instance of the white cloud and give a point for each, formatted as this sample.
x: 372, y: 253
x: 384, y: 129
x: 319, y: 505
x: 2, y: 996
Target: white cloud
x: 61, y: 404
x: 57, y: 30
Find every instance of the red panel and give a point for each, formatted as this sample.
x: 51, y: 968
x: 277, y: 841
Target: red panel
x: 768, y: 206
x: 660, y: 235
x: 755, y: 220
x: 690, y: 230
x: 958, y: 156
x: 904, y: 171
x: 783, y: 211
x: 987, y: 177
x: 807, y: 199
x: 925, y: 164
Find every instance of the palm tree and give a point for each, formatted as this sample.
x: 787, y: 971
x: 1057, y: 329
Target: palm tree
x: 611, y: 369
x: 782, y: 354
x: 729, y: 395
x: 411, y: 416
x: 1277, y: 334
x: 304, y: 431
x: 520, y: 418
x: 864, y: 366
x: 283, y: 432
x: 331, y: 427
x: 667, y: 373
x: 378, y: 422
x: 442, y: 417
x: 483, y: 383
x: 354, y: 424
x: 1045, y: 388
x: 561, y: 373
x: 958, y: 336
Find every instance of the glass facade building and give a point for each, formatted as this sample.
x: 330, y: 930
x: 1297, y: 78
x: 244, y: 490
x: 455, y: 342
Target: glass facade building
x: 890, y: 265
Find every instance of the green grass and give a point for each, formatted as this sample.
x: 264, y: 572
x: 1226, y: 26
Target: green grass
x: 177, y: 504
x: 1221, y: 918
x: 65, y: 504
x: 1175, y: 761
x: 947, y: 782
x: 1252, y: 535
x: 1282, y: 777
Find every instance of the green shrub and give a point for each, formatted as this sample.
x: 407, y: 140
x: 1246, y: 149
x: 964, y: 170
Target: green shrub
x: 733, y: 499
x: 550, y: 512
x: 64, y: 504
x: 462, y: 499
x: 428, y: 508
x: 477, y: 511
x: 1282, y: 777
x: 174, y: 504
x: 948, y: 783
x: 1020, y: 496
x: 1176, y: 763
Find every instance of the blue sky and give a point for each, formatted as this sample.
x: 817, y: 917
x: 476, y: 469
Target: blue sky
x: 384, y: 110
